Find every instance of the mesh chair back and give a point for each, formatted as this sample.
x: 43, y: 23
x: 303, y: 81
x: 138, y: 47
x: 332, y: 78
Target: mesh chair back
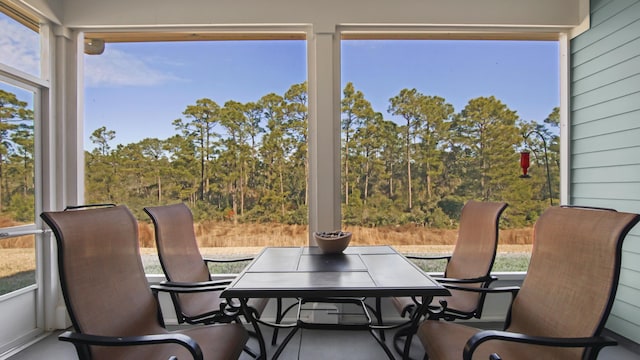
x: 181, y: 259
x: 101, y: 273
x: 475, y: 250
x: 573, y: 274
x: 177, y: 246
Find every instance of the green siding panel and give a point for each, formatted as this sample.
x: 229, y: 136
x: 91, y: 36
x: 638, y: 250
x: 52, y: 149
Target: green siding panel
x: 627, y: 173
x: 604, y: 22
x: 604, y: 10
x: 621, y: 326
x: 609, y: 141
x: 632, y: 244
x: 631, y: 261
x: 623, y: 307
x: 608, y: 92
x: 621, y: 105
x: 605, y: 135
x: 618, y: 204
x: 607, y: 76
x: 621, y: 38
x: 618, y: 157
x: 618, y: 122
x: 621, y: 191
x: 630, y: 278
x: 608, y: 59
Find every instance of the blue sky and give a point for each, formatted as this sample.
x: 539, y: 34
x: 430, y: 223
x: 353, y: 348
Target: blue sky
x: 131, y: 86
x: 138, y: 89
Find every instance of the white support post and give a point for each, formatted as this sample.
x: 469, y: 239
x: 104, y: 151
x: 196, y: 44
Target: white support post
x: 323, y: 54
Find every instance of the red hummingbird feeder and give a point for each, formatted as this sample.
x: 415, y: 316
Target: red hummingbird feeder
x: 524, y: 164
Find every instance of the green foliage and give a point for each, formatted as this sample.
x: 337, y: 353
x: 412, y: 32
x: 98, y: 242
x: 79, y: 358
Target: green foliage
x: 22, y: 208
x: 17, y: 281
x: 248, y: 161
x: 503, y: 262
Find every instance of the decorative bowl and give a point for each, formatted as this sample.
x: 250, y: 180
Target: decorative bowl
x: 332, y: 242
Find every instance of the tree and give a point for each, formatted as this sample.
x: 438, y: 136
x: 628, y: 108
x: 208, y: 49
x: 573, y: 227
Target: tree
x: 13, y: 112
x: 101, y: 167
x: 407, y: 105
x: 275, y: 149
x: 154, y: 153
x: 432, y: 129
x: 355, y: 110
x: 253, y: 114
x: 297, y: 118
x: 184, y: 174
x: 236, y: 152
x: 250, y: 161
x: 203, y: 116
x: 486, y: 130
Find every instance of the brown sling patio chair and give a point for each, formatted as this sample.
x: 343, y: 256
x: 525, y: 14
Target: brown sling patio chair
x: 562, y: 306
x: 183, y: 265
x: 114, y: 312
x: 469, y: 264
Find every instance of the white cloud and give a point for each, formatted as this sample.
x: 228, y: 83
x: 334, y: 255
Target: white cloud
x: 117, y: 68
x: 19, y: 47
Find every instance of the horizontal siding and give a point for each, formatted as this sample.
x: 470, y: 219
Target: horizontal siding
x: 632, y: 244
x: 604, y: 21
x: 609, y: 141
x: 620, y: 204
x: 624, y: 103
x: 624, y: 173
x: 616, y: 191
x: 623, y: 327
x: 621, y: 306
x: 614, y: 48
x: 631, y: 262
x: 605, y: 135
x: 604, y: 77
x: 608, y: 92
x: 603, y: 10
x: 604, y: 159
x: 606, y: 60
x: 618, y: 122
x: 630, y: 277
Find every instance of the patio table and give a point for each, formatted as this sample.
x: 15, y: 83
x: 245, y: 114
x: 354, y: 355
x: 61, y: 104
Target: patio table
x: 309, y: 275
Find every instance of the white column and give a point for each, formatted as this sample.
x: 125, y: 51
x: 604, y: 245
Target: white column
x: 63, y: 169
x: 565, y: 120
x: 323, y: 53
x: 68, y: 132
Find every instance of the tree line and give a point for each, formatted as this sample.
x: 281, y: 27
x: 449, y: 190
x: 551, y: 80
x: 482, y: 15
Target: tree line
x: 17, y: 172
x: 248, y: 162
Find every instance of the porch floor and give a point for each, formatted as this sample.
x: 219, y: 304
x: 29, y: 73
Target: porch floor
x: 307, y: 344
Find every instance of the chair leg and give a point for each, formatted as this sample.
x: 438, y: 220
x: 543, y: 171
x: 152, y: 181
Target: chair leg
x: 279, y: 315
x: 379, y: 316
x: 407, y: 345
x: 406, y: 332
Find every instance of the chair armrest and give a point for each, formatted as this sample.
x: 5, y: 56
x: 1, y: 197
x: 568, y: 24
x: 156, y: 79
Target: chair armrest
x: 503, y: 289
x: 226, y: 307
x: 510, y: 289
x: 185, y: 288
x: 429, y: 257
x: 595, y: 342
x: 211, y: 260
x: 215, y: 283
x: 88, y: 339
x: 483, y: 279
